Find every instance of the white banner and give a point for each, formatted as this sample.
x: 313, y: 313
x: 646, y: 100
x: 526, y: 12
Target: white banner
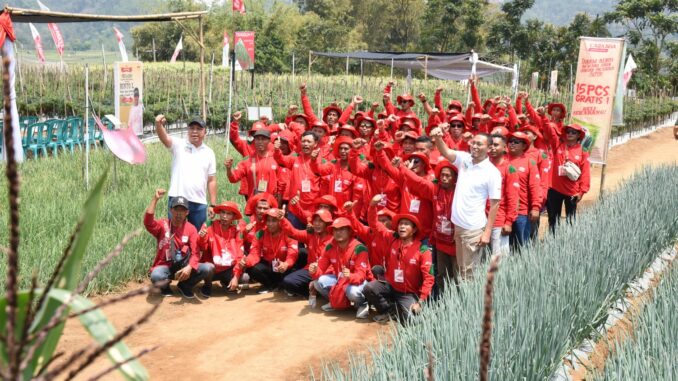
x: 121, y: 44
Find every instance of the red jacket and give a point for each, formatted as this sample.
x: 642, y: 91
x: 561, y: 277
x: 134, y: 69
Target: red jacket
x: 441, y: 220
x: 528, y: 185
x: 185, y: 239
x: 414, y: 260
x: 544, y: 165
x: 262, y: 174
x: 562, y: 153
x: 222, y: 247
x: 410, y: 203
x: 302, y: 180
x: 378, y: 182
x: 268, y: 247
x: 354, y: 257
x: 456, y: 144
x: 508, y: 206
x: 335, y: 180
x: 314, y: 243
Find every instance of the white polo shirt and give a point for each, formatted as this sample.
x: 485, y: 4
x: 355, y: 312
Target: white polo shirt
x: 190, y: 168
x: 476, y: 183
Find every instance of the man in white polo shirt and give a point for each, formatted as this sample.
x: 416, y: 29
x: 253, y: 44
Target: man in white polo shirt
x: 478, y: 180
x: 194, y: 169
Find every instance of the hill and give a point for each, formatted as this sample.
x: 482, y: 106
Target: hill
x: 561, y: 13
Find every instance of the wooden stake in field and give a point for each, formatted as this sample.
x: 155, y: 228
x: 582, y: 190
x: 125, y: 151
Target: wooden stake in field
x: 486, y: 336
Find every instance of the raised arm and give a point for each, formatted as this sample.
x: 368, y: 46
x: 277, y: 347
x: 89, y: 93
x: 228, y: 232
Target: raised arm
x: 160, y: 122
x: 306, y: 104
x: 437, y: 136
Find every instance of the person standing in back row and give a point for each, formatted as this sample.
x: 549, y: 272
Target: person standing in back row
x: 194, y: 169
x: 478, y: 181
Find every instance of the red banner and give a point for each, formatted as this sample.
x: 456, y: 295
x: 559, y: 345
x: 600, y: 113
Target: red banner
x: 244, y: 49
x: 239, y: 6
x: 38, y: 43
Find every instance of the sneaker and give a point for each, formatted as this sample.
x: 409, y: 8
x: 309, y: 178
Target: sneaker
x: 312, y: 301
x: 363, y: 311
x: 290, y: 294
x: 263, y: 291
x: 327, y: 307
x: 166, y: 291
x: 206, y: 290
x: 382, y: 318
x: 185, y: 290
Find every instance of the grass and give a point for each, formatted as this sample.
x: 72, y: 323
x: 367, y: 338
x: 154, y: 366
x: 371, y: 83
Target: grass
x: 546, y: 301
x: 52, y: 195
x: 653, y: 352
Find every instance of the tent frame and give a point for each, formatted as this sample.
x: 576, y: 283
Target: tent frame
x: 21, y: 15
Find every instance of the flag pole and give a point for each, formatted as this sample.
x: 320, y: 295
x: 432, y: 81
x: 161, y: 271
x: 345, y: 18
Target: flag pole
x: 87, y: 126
x: 230, y: 101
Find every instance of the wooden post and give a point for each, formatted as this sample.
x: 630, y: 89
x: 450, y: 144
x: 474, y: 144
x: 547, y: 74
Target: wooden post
x: 153, y: 49
x: 426, y: 68
x: 310, y: 52
x: 203, y: 103
x: 211, y: 73
x: 361, y: 73
x: 602, y: 182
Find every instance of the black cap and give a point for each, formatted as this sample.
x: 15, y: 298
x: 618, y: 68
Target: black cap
x: 179, y: 201
x: 262, y: 132
x: 197, y: 121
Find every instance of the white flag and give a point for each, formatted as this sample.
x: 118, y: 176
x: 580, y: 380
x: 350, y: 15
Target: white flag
x: 38, y: 42
x: 226, y: 50
x: 628, y: 69
x: 180, y: 46
x: 121, y: 44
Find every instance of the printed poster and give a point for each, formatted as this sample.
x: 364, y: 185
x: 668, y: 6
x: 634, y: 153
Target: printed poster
x: 244, y: 49
x: 128, y: 84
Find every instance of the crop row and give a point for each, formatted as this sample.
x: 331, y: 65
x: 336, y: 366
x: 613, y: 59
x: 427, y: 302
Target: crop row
x: 546, y: 301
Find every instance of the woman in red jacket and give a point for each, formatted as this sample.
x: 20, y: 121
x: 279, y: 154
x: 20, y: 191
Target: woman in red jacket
x: 566, y: 186
x: 407, y: 279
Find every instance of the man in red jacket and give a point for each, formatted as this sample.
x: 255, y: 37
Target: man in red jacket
x: 528, y: 185
x: 272, y: 255
x: 222, y: 246
x: 177, y: 255
x: 408, y: 278
x: 508, y: 206
x: 566, y: 186
x: 343, y: 257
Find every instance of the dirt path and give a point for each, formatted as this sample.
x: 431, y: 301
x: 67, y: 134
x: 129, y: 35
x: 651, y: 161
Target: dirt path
x: 273, y: 337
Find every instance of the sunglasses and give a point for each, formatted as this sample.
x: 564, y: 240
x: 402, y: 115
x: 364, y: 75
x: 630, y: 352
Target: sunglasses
x: 365, y: 124
x: 457, y: 125
x: 516, y: 141
x: 571, y: 132
x: 416, y: 160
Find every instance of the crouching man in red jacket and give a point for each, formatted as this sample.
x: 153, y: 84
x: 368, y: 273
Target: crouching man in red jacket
x: 177, y: 255
x: 408, y: 276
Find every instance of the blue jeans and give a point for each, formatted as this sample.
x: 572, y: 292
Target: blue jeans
x: 354, y: 293
x: 521, y: 231
x: 197, y: 213
x: 324, y: 284
x: 162, y: 273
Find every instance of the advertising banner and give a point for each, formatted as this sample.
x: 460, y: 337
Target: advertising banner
x: 594, y: 91
x: 128, y: 84
x: 244, y: 49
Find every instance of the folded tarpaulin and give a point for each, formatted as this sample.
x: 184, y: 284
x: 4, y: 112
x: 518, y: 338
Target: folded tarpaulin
x: 449, y: 66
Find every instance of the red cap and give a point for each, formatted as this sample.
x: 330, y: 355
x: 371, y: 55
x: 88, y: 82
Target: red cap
x: 365, y: 118
x: 477, y: 116
x: 503, y: 131
x: 324, y: 215
x: 552, y: 105
x: 500, y: 121
x: 405, y: 97
x: 228, y: 206
x: 254, y: 200
x: 520, y: 135
x: 442, y: 165
x: 406, y: 216
x: 295, y: 116
x: 321, y: 124
x: 338, y: 142
x: 341, y: 222
x: 458, y: 118
x: 577, y: 127
x: 350, y: 129
x: 455, y: 103
x: 411, y: 135
x: 532, y: 129
x: 326, y: 200
x: 421, y: 156
x: 329, y: 108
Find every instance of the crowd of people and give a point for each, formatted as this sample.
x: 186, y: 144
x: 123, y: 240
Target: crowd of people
x: 367, y: 209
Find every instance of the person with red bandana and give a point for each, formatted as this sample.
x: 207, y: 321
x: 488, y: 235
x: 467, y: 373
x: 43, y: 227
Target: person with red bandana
x: 528, y: 185
x: 508, y: 206
x: 336, y: 179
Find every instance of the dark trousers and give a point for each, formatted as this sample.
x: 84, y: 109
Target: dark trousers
x: 383, y: 297
x: 520, y: 233
x: 263, y: 273
x: 297, y: 282
x: 554, y: 206
x: 223, y: 277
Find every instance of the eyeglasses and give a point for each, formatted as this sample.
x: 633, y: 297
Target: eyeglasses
x: 416, y: 160
x: 571, y: 132
x: 365, y: 124
x: 515, y: 141
x: 457, y: 125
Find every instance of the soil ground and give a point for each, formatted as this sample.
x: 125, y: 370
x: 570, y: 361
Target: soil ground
x: 274, y: 337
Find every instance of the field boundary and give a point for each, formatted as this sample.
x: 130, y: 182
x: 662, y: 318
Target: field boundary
x: 592, y: 353
x: 625, y: 138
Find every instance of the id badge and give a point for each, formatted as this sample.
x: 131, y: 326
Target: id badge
x: 274, y: 264
x: 184, y: 238
x: 305, y: 186
x: 262, y: 186
x: 399, y: 275
x: 445, y: 226
x: 561, y: 170
x: 338, y: 185
x: 414, y: 206
x: 226, y: 259
x: 383, y: 200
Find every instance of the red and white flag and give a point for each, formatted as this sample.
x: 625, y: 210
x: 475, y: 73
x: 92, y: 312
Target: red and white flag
x: 239, y: 5
x: 54, y: 30
x: 123, y: 143
x: 180, y: 46
x: 121, y: 44
x: 628, y: 69
x: 38, y: 43
x: 225, y: 51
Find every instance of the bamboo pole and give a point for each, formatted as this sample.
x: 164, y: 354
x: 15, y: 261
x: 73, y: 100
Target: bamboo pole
x: 203, y: 103
x: 25, y: 15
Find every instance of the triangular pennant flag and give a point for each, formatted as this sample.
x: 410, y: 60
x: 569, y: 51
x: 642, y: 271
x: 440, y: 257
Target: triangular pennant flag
x: 180, y: 46
x: 54, y: 30
x: 121, y: 44
x: 123, y: 143
x: 38, y: 43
